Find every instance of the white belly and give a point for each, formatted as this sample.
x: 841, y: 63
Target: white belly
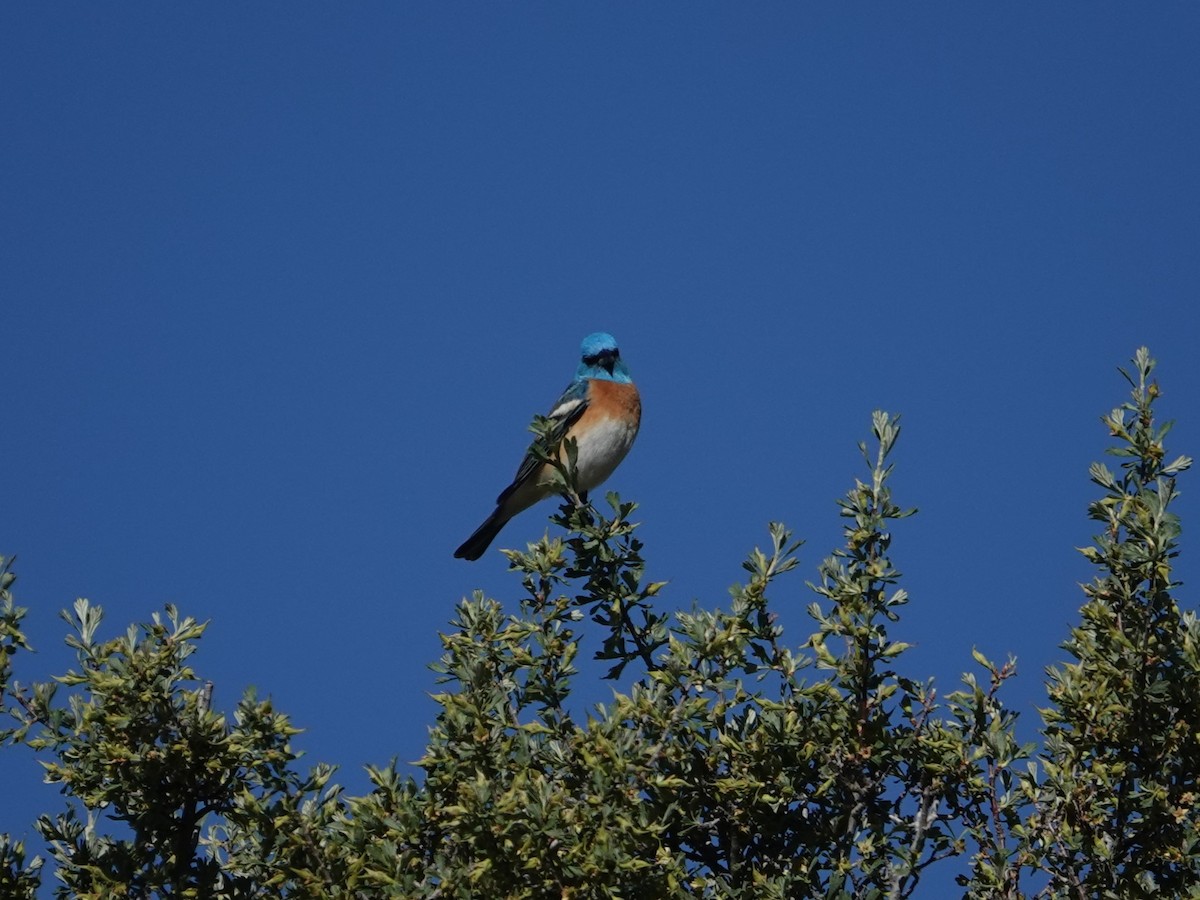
x: 601, y: 449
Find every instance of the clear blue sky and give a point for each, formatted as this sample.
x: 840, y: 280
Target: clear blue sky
x: 283, y: 284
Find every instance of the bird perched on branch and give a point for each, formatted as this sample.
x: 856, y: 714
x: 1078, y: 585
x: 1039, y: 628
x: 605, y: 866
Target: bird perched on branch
x: 600, y: 410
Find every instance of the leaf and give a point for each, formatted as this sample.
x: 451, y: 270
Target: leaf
x: 1181, y: 463
x: 982, y: 660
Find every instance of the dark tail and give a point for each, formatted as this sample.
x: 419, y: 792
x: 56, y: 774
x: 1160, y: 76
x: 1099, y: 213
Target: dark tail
x: 473, y: 547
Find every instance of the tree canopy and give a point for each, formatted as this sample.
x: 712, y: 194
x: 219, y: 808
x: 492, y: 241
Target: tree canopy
x: 730, y: 762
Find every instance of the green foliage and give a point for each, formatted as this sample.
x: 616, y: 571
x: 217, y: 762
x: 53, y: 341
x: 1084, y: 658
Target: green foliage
x: 17, y: 878
x: 728, y: 763
x: 1116, y: 813
x: 136, y: 743
x: 12, y: 638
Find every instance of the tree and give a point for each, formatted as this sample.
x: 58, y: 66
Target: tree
x: 1116, y: 813
x: 729, y: 764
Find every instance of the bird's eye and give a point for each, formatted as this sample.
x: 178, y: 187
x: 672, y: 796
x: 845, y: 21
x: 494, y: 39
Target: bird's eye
x: 602, y: 358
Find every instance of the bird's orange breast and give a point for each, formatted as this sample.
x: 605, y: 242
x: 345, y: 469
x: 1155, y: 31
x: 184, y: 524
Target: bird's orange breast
x: 614, y: 400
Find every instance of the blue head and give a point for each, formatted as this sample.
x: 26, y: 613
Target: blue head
x: 601, y: 358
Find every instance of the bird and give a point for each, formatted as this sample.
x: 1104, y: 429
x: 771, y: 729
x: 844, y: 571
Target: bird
x: 600, y: 409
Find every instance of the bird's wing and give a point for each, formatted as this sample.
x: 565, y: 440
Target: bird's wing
x: 566, y: 412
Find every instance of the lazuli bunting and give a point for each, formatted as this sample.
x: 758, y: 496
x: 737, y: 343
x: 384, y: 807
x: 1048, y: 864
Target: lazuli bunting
x: 600, y: 410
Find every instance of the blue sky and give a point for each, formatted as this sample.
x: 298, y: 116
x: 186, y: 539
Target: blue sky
x: 283, y: 284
